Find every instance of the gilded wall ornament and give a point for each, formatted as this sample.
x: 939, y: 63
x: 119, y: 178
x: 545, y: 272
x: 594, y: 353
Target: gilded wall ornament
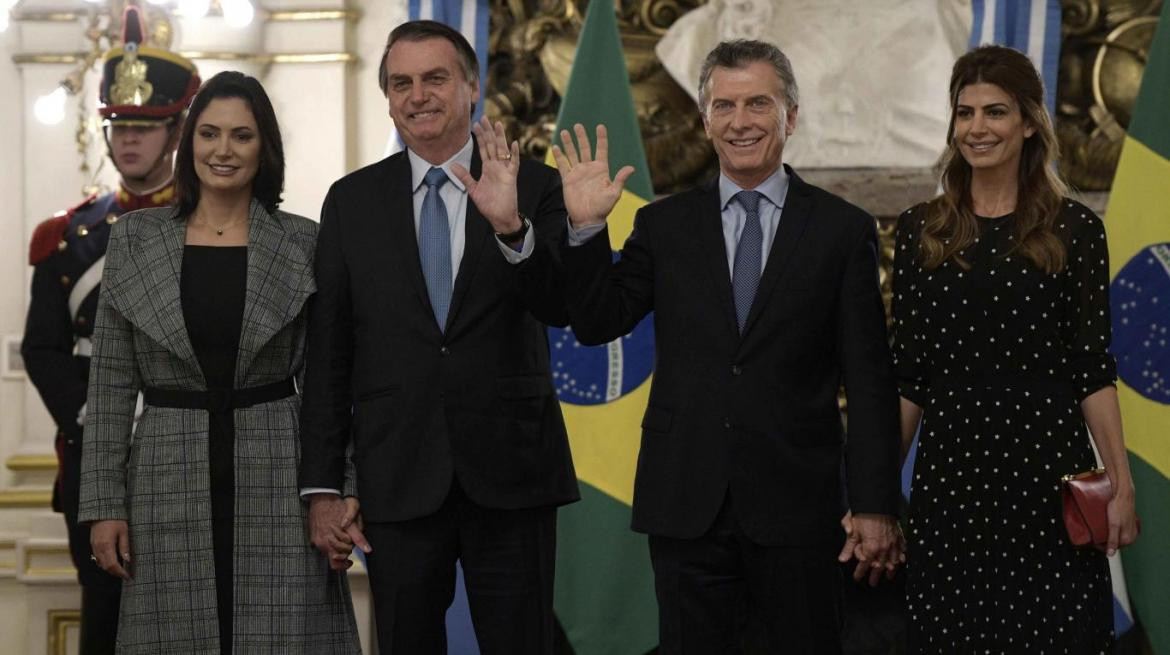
x: 1104, y: 49
x: 531, y: 53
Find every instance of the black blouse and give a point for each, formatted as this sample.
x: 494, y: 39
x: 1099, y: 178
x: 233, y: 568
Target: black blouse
x: 212, y: 289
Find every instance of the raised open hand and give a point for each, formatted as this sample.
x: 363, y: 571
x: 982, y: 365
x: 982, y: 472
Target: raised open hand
x: 590, y: 194
x: 494, y: 193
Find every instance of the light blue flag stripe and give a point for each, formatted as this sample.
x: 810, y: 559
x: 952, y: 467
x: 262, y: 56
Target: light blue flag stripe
x: 1032, y: 27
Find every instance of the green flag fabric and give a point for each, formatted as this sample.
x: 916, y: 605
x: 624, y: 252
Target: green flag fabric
x: 604, y: 595
x: 1138, y: 224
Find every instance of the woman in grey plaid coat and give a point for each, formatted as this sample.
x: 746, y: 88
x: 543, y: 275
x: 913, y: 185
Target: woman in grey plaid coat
x: 201, y: 499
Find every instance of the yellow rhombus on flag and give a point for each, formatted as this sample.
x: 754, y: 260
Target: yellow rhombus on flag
x: 1138, y: 225
x: 604, y: 596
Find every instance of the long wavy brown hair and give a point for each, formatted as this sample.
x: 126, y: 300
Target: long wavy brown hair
x: 950, y: 225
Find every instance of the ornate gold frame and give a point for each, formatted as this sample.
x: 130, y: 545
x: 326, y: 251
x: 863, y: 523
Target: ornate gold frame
x: 60, y: 621
x: 34, y: 498
x: 274, y: 58
x: 31, y: 463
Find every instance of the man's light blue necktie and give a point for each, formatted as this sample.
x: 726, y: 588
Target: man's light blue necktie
x: 434, y: 246
x: 745, y: 276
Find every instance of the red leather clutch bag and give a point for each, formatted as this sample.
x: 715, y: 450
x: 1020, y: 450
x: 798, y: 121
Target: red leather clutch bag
x: 1086, y: 498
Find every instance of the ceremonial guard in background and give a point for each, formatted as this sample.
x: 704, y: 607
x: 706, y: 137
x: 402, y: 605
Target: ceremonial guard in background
x: 144, y: 95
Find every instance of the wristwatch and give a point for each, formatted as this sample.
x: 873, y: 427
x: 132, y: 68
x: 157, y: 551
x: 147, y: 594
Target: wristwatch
x: 513, y: 237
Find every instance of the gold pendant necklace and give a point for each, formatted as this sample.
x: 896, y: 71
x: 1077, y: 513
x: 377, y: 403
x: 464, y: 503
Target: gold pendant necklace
x: 220, y: 230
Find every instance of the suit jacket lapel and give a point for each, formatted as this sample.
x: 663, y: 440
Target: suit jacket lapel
x: 793, y: 220
x: 713, y: 251
x: 477, y: 234
x: 402, y: 237
x: 280, y: 281
x: 146, y: 289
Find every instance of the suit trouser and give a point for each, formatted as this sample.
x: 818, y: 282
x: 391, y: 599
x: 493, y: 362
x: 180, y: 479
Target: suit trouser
x: 101, y: 592
x: 724, y: 593
x: 508, y: 564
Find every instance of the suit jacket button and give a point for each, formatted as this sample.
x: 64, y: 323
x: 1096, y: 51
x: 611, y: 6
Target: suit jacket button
x: 727, y: 424
x: 444, y: 351
x: 64, y: 280
x: 736, y: 370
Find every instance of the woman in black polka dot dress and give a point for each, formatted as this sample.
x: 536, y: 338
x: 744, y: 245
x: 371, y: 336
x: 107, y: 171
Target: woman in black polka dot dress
x: 1001, y: 314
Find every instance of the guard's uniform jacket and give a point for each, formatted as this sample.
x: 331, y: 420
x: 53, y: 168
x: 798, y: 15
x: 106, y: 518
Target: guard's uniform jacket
x: 143, y: 86
x: 67, y: 253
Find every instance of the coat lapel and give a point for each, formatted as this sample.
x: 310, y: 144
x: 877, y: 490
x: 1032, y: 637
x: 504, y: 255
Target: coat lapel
x: 713, y: 251
x: 402, y: 237
x: 477, y: 233
x: 279, y: 282
x: 146, y: 289
x: 793, y: 220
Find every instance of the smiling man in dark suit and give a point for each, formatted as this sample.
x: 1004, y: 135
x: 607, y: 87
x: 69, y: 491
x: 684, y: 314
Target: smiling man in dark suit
x: 428, y: 356
x: 766, y: 301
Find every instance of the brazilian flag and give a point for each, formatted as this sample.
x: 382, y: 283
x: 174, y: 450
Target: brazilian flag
x: 1138, y: 220
x: 604, y: 584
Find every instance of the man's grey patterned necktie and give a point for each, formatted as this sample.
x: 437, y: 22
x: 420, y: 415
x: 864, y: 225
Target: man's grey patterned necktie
x: 434, y: 246
x: 745, y: 276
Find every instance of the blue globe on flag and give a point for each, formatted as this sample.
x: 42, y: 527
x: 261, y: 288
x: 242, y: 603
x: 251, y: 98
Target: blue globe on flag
x: 1140, y: 307
x: 593, y: 375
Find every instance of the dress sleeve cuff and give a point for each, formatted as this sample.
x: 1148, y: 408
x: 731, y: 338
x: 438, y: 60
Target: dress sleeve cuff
x: 308, y: 491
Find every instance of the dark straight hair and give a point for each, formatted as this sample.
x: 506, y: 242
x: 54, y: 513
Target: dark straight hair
x: 420, y: 30
x: 269, y: 181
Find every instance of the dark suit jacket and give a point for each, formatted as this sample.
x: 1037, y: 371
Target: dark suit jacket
x: 755, y: 415
x: 420, y: 405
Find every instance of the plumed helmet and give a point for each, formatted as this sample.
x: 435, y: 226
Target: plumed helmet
x: 141, y: 84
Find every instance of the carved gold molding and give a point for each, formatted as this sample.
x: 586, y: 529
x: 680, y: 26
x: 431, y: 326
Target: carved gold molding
x: 273, y: 58
x: 49, y: 58
x: 32, y: 571
x: 38, y: 498
x: 47, y: 16
x: 32, y: 463
x: 7, y: 557
x: 294, y: 15
x: 60, y: 622
x: 313, y: 14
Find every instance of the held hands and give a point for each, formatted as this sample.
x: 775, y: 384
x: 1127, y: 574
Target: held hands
x: 110, y: 541
x: 494, y: 194
x: 876, y: 541
x: 589, y: 193
x: 335, y: 527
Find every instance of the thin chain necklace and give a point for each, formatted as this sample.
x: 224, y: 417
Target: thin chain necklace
x: 220, y: 230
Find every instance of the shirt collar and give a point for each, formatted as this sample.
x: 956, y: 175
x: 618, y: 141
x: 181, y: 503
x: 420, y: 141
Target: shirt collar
x: 774, y: 188
x: 420, y: 166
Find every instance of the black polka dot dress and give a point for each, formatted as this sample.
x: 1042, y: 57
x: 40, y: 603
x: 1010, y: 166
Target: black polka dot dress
x: 999, y: 357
